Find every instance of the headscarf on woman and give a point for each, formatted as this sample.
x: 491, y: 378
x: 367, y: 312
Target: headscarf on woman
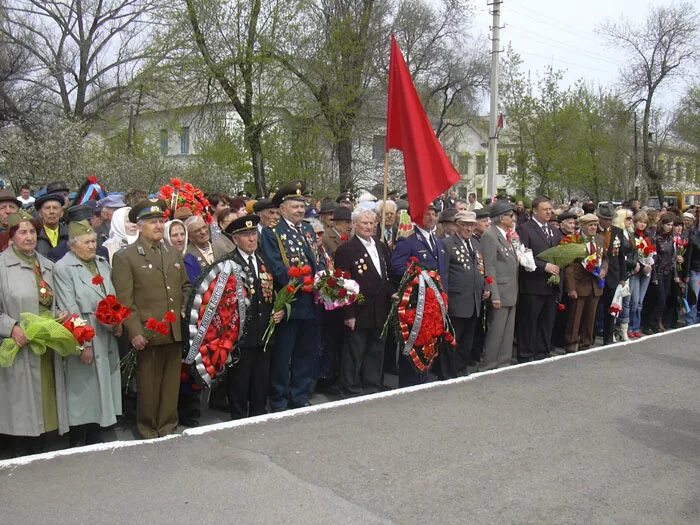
x: 166, y: 235
x: 118, y: 237
x: 191, y: 264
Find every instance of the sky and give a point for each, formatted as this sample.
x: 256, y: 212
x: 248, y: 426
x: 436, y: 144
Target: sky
x: 561, y: 33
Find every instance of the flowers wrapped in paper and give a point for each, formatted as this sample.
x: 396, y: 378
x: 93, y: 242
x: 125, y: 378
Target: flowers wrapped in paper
x: 570, y: 249
x: 336, y: 290
x: 42, y: 332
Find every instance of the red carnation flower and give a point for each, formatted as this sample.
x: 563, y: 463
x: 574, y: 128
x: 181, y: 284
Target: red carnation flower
x: 561, y: 307
x: 308, y: 281
x: 413, y: 259
x: 306, y: 270
x: 290, y: 288
x: 489, y: 280
x: 338, y: 272
x: 169, y: 316
x: 162, y: 328
x: 98, y: 280
x: 331, y: 282
x: 294, y: 272
x: 177, y: 183
x: 342, y: 293
x: 344, y: 237
x: 151, y: 324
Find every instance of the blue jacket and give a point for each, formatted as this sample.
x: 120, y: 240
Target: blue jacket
x: 282, y: 247
x: 415, y: 245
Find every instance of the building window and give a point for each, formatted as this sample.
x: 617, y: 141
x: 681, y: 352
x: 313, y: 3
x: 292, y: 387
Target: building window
x: 480, y: 164
x: 185, y: 140
x: 378, y: 142
x: 463, y: 163
x: 163, y: 141
x: 502, y: 163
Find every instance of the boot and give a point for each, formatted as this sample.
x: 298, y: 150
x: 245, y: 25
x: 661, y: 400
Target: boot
x: 623, y: 332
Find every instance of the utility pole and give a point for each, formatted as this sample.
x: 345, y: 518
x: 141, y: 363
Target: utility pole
x: 491, y: 188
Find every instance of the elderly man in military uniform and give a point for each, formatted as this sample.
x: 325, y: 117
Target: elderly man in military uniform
x: 466, y: 276
x: 149, y: 277
x: 292, y: 243
x: 248, y: 378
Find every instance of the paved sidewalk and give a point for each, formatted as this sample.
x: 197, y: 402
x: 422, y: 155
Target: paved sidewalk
x: 610, y: 436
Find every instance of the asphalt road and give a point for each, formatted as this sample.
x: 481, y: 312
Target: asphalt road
x: 611, y: 436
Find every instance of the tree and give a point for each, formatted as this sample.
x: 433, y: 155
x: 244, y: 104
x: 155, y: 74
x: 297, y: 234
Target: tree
x: 686, y: 123
x: 658, y: 50
x: 83, y: 53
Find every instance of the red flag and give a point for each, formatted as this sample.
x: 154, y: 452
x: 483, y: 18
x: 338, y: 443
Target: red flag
x: 428, y: 170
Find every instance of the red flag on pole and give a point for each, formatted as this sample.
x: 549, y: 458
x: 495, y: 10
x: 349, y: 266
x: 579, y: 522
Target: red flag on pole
x: 428, y: 170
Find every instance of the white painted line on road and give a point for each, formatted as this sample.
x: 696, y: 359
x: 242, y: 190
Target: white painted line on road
x: 113, y: 445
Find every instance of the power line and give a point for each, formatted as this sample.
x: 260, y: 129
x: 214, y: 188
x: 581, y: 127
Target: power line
x: 546, y: 19
x: 564, y: 61
x: 558, y: 43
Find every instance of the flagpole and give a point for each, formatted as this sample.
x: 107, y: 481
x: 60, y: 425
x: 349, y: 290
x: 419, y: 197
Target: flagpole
x: 386, y: 183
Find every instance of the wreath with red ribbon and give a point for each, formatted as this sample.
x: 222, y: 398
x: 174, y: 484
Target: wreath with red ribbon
x: 216, y: 308
x: 419, y: 318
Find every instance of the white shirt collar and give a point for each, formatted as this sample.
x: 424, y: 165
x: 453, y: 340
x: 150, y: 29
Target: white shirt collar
x: 245, y: 255
x: 539, y: 223
x: 291, y: 225
x: 367, y: 244
x: 503, y: 232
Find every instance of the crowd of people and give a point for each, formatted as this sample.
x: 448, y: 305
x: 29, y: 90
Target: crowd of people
x: 638, y: 274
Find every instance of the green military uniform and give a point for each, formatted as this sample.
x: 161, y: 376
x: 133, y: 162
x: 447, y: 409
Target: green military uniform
x: 150, y: 279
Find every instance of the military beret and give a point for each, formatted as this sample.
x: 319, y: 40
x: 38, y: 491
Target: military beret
x: 291, y: 191
x: 147, y: 209
x: 79, y: 228
x: 242, y: 224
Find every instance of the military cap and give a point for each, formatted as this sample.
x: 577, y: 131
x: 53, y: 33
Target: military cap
x: 263, y: 204
x: 449, y: 215
x: 499, y: 208
x: 327, y: 206
x: 311, y: 213
x: 13, y: 219
x: 291, y: 191
x: 242, y: 224
x: 483, y: 213
x: 57, y: 186
x: 147, y: 209
x: 79, y: 228
x: 7, y: 195
x: 244, y: 194
x: 341, y: 213
x: 40, y: 201
x: 80, y: 212
x: 465, y: 216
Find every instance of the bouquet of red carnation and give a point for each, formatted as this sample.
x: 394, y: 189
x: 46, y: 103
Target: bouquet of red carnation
x: 681, y: 247
x: 79, y: 329
x: 645, y: 250
x: 153, y: 328
x: 299, y: 279
x: 111, y: 312
x: 337, y: 290
x: 184, y: 195
x: 420, y: 318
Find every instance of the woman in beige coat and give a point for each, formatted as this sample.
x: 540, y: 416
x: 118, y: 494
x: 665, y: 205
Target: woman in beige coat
x: 32, y: 389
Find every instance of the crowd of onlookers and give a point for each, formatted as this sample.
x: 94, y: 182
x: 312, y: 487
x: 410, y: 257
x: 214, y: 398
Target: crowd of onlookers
x: 63, y: 252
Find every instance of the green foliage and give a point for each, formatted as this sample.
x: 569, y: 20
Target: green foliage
x: 687, y: 118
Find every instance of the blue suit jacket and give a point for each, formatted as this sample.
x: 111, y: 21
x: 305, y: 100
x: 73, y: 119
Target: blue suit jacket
x: 415, y: 245
x: 296, y: 248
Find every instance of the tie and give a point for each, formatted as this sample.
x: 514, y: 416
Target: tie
x: 431, y: 238
x: 471, y: 250
x: 592, y: 248
x: 546, y: 231
x: 252, y: 266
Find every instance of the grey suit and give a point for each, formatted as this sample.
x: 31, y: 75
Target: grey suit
x: 501, y: 264
x: 464, y: 304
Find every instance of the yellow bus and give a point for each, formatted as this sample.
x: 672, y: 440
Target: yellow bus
x: 676, y: 198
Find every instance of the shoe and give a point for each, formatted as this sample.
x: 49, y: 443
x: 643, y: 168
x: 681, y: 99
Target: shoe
x: 637, y: 335
x: 631, y: 335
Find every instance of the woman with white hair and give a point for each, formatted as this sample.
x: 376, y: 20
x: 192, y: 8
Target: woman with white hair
x: 122, y: 232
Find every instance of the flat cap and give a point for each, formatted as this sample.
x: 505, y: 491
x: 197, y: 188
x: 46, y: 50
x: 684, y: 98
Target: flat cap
x: 465, y: 216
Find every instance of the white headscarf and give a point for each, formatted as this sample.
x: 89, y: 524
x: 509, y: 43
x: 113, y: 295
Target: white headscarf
x: 118, y: 237
x: 166, y: 235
